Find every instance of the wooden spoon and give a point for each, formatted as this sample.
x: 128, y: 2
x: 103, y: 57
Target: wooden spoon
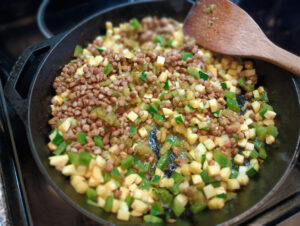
x: 229, y: 30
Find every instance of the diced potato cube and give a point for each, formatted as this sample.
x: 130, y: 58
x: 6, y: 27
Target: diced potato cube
x: 213, y: 105
x: 100, y: 162
x: 167, y: 112
x: 139, y: 206
x: 69, y: 170
x: 182, y: 199
x: 132, y: 116
x: 270, y: 115
x: 81, y: 170
x: 128, y: 54
x: 166, y: 182
x: 123, y: 215
x: 252, y: 133
x: 124, y: 193
x: 255, y: 106
x: 97, y: 174
x: 209, y: 144
x: 160, y: 60
x: 242, y: 143
x: 225, y: 173
x: 246, y: 154
x: 192, y: 138
x: 270, y: 139
x: 79, y: 71
x: 213, y: 170
x: 185, y: 170
x: 201, y: 148
x: 249, y: 146
x: 79, y: 184
x: 195, y: 167
x: 261, y: 89
x: 101, y: 202
x: 130, y: 179
x: 216, y: 203
x: 59, y: 160
x: 184, y: 186
x: 136, y: 213
x: 111, y: 185
x: 233, y: 184
x: 190, y: 95
x: 113, y: 148
x: 138, y: 193
x: 197, y: 179
x: 102, y: 191
x: 163, y: 76
x: 51, y: 146
x: 269, y: 122
x: 200, y: 89
x: 195, y: 103
x: 148, y: 95
x: 116, y: 205
x: 145, y: 115
x: 143, y: 132
x: 248, y: 72
x: 64, y: 127
x: 220, y: 190
x: 209, y: 191
x: 92, y: 182
x: 57, y: 99
x: 243, y: 179
x: 209, y: 156
x: 132, y: 188
x: 238, y: 159
x: 256, y: 93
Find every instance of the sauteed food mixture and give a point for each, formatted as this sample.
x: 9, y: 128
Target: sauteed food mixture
x: 147, y: 123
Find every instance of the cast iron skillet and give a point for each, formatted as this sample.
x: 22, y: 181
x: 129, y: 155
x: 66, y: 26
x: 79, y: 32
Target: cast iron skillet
x: 44, y: 61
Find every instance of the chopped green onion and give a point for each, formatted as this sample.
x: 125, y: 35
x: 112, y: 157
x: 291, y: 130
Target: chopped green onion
x: 61, y: 148
x: 85, y: 158
x: 81, y: 138
x: 143, y: 76
x: 108, y: 69
x: 78, y: 51
x: 216, y: 114
x: 91, y: 194
x: 167, y: 84
x: 222, y: 196
x: 234, y: 173
x: 134, y: 23
x: 98, y: 141
x: 203, y: 75
x: 92, y: 203
x: 100, y: 50
x: 251, y: 172
x: 155, y: 179
x: 152, y: 219
x: 223, y: 85
x: 160, y: 39
x: 179, y: 119
x: 186, y: 55
x: 108, y: 203
x: 203, y: 158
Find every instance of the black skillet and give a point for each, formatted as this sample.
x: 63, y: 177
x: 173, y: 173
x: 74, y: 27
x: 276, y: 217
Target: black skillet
x: 43, y: 62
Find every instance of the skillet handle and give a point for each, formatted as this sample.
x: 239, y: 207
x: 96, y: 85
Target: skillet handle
x: 18, y: 84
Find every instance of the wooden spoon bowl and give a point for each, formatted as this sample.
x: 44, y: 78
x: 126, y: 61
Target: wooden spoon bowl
x: 229, y: 30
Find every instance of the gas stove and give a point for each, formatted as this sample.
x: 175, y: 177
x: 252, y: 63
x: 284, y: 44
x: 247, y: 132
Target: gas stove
x: 30, y: 198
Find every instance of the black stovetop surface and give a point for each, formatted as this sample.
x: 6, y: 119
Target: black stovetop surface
x: 30, y: 198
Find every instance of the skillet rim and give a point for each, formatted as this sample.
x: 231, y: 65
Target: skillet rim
x: 235, y: 220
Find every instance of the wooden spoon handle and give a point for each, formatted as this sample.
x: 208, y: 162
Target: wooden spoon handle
x: 281, y: 58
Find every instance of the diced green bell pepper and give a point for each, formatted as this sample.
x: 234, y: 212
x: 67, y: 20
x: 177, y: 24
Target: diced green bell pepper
x: 193, y: 71
x: 108, y: 69
x: 221, y: 159
x: 233, y: 105
x: 229, y: 94
x: 264, y: 108
x: 73, y: 158
x: 177, y: 178
x: 129, y: 200
x: 145, y: 185
x: 98, y: 141
x: 163, y: 161
x: 127, y: 163
x: 60, y: 149
x: 145, y: 167
x: 177, y: 207
x: 261, y: 133
x: 262, y: 153
x: 234, y: 173
x: 85, y: 158
x: 81, y: 138
x: 156, y: 209
x: 251, y: 171
x: 78, y: 51
x: 108, y: 203
x: 91, y: 194
x: 58, y: 138
x: 272, y: 130
x: 115, y: 174
x: 205, y: 177
x: 254, y: 154
x: 196, y: 208
x: 152, y: 219
x: 221, y: 196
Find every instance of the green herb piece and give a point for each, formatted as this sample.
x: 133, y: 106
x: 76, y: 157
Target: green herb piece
x: 92, y: 203
x: 73, y: 158
x: 116, y: 174
x: 223, y: 85
x: 179, y: 119
x: 58, y: 138
x: 134, y: 23
x: 98, y: 141
x: 85, y: 158
x: 234, y: 173
x: 159, y: 39
x: 222, y: 196
x: 203, y: 75
x: 254, y: 154
x: 145, y: 185
x: 203, y: 158
x: 222, y: 159
x: 156, y: 209
x: 210, y: 23
x: 230, y: 95
x: 163, y: 161
x: 61, y: 148
x: 132, y: 130
x: 108, y: 69
x: 91, y: 194
x: 78, y: 51
x: 152, y: 219
x: 167, y: 84
x: 143, y: 76
x: 251, y: 172
x: 205, y: 177
x: 152, y: 109
x: 127, y: 163
x: 216, y: 114
x: 81, y: 138
x: 186, y: 55
x: 233, y: 105
x: 108, y: 203
x: 145, y: 167
x: 106, y: 176
x: 100, y: 50
x: 272, y: 130
x: 196, y: 208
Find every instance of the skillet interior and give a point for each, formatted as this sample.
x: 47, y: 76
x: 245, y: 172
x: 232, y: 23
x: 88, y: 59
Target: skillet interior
x: 279, y: 84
